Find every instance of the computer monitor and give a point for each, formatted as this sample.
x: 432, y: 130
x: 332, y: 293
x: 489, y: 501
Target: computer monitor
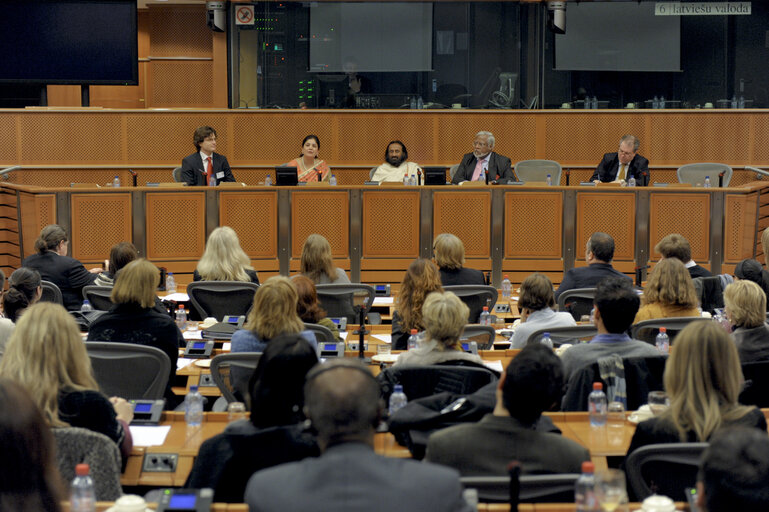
x: 435, y: 175
x: 286, y: 176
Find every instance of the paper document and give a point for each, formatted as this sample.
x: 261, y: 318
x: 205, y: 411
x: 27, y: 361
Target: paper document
x: 178, y: 297
x: 193, y: 335
x: 494, y: 365
x: 184, y: 361
x: 343, y: 335
x: 387, y: 338
x: 149, y: 436
x: 383, y: 301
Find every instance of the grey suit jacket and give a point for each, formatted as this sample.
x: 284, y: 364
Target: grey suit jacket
x: 351, y: 477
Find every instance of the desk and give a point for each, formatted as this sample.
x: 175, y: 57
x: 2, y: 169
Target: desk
x: 101, y: 506
x: 603, y: 442
x: 555, y: 507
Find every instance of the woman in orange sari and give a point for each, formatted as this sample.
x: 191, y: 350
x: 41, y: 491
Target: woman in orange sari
x: 308, y: 166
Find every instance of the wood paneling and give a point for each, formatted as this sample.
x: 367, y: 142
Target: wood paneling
x: 323, y: 212
x: 391, y: 224
x: 37, y: 211
x: 466, y: 215
x: 686, y: 214
x: 613, y: 213
x: 533, y: 225
x: 739, y: 227
x: 99, y: 221
x: 175, y: 225
x: 254, y: 217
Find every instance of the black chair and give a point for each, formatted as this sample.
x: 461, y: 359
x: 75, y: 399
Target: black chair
x: 420, y: 381
x: 577, y: 301
x: 475, y: 296
x: 129, y: 370
x: 649, y: 329
x: 666, y: 469
x: 231, y: 373
x: 710, y: 292
x: 556, y: 488
x: 322, y: 334
x: 220, y: 298
x: 562, y: 335
x: 51, y: 293
x: 346, y: 300
x: 483, y: 335
x: 98, y: 296
x: 756, y: 391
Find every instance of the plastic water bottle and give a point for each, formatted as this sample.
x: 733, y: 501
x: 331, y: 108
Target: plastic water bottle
x: 412, y: 343
x: 507, y: 287
x: 485, y: 316
x: 86, y: 306
x: 193, y: 407
x: 170, y: 283
x: 662, y: 341
x: 546, y: 340
x: 82, y: 497
x: 413, y: 103
x: 406, y: 179
x: 741, y: 102
x: 397, y: 399
x: 116, y: 181
x: 413, y: 180
x: 181, y: 318
x: 597, y: 405
x: 268, y: 181
x: 707, y: 182
x: 662, y: 102
x: 656, y: 102
x: 631, y: 182
x: 332, y: 180
x: 549, y: 180
x: 594, y: 103
x: 734, y: 102
x: 420, y: 103
x: 584, y: 489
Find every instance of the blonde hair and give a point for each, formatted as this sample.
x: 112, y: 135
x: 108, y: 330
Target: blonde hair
x: 274, y: 309
x: 46, y: 355
x: 449, y: 251
x: 746, y: 302
x: 421, y: 279
x: 444, y: 316
x: 765, y: 245
x: 224, y: 259
x: 670, y: 283
x: 136, y: 283
x: 316, y: 258
x: 703, y: 379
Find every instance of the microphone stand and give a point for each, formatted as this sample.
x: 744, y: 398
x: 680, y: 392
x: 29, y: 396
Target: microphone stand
x: 361, y: 332
x: 133, y: 176
x: 419, y: 177
x: 721, y: 179
x: 568, y: 175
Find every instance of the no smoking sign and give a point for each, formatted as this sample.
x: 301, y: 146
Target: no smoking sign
x: 244, y: 15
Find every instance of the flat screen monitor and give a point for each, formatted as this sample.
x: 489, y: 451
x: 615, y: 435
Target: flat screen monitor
x: 286, y: 176
x: 435, y: 175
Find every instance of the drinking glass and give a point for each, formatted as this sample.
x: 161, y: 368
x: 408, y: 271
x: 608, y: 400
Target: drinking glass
x: 615, y: 414
x: 236, y: 411
x: 658, y: 402
x: 610, y: 489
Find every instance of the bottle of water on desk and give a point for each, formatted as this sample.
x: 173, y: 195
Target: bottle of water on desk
x: 406, y: 180
x: 507, y: 287
x: 413, y: 180
x: 397, y: 399
x: 116, y: 181
x: 584, y: 489
x: 707, y: 182
x: 597, y: 405
x: 332, y: 180
x: 412, y: 342
x: 268, y: 181
x: 181, y: 318
x: 547, y: 340
x: 631, y: 181
x: 485, y: 318
x: 662, y: 341
x: 82, y: 497
x: 86, y: 307
x: 549, y: 180
x: 193, y: 407
x: 170, y: 283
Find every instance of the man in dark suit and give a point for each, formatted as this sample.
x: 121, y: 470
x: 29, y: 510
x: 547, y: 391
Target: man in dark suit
x: 676, y: 246
x: 598, y: 255
x: 624, y: 163
x: 342, y: 402
x: 205, y: 167
x: 483, y: 158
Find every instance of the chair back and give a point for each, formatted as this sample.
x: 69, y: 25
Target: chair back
x: 648, y: 330
x: 231, y: 373
x: 694, y: 174
x: 345, y: 299
x: 420, y: 381
x: 322, y: 333
x: 666, y: 469
x: 537, y: 170
x: 756, y: 377
x: 177, y: 174
x: 76, y: 445
x: 129, y: 370
x: 51, y: 293
x: 483, y: 335
x: 220, y: 298
x: 555, y: 488
x: 453, y: 170
x: 371, y: 173
x: 577, y: 301
x: 710, y: 292
x: 562, y: 335
x: 475, y: 296
x: 98, y: 296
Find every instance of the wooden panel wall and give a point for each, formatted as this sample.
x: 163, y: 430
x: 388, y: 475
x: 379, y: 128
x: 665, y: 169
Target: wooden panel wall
x: 686, y: 214
x: 612, y: 213
x: 468, y: 216
x: 99, y: 221
x: 183, y: 236
x: 325, y: 213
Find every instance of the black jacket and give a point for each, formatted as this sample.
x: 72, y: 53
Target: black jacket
x: 500, y: 169
x: 607, y: 169
x: 67, y: 273
x: 193, y: 170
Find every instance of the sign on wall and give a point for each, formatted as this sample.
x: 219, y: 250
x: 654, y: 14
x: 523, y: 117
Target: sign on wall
x: 701, y: 8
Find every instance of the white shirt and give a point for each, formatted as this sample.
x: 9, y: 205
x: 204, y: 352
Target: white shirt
x: 205, y: 158
x: 537, y: 320
x: 387, y: 172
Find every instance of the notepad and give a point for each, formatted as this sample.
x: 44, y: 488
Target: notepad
x: 149, y: 436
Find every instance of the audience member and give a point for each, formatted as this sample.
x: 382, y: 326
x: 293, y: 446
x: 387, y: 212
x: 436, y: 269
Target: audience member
x: 24, y: 289
x: 626, y: 162
x: 703, y: 381
x: 483, y: 159
x: 668, y: 293
x: 205, y: 167
x: 752, y: 270
x: 746, y: 310
x: 317, y: 264
x: 599, y: 253
x: 449, y: 253
x: 47, y: 356
x: 308, y: 166
x: 765, y: 245
x: 421, y: 279
x: 532, y: 383
x: 29, y: 478
x: 55, y: 266
x: 309, y: 309
x: 274, y: 434
x: 396, y: 164
x: 734, y: 472
x: 224, y: 259
x: 444, y: 316
x: 676, y: 246
x: 616, y: 304
x: 536, y: 303
x: 342, y: 402
x: 120, y: 255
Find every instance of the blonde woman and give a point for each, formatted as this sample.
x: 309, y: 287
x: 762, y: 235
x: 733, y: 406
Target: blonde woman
x: 449, y: 253
x: 317, y: 264
x: 669, y: 293
x: 421, y: 279
x: 703, y: 380
x: 444, y: 316
x: 746, y: 310
x: 224, y: 259
x: 46, y: 355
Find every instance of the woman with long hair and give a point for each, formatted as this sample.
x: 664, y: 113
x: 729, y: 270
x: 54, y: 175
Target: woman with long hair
x: 309, y: 167
x: 317, y: 264
x: 309, y: 309
x: 746, y: 311
x: 669, y: 293
x: 703, y: 380
x: 224, y: 259
x: 421, y: 279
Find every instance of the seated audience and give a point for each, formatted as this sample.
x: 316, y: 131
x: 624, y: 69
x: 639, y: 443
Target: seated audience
x: 133, y: 318
x: 24, y: 289
x: 421, y: 279
x: 274, y: 434
x: 120, y: 255
x: 449, y: 252
x: 55, y: 266
x: 734, y: 472
x: 224, y: 259
x: 47, y: 356
x: 536, y: 303
x: 751, y: 270
x: 308, y: 166
x: 746, y: 312
x: 444, y: 316
x: 616, y: 304
x: 317, y: 264
x: 676, y: 246
x: 703, y: 380
x: 532, y: 383
x: 342, y: 402
x: 29, y: 477
x: 396, y: 164
x: 599, y: 253
x: 668, y: 293
x: 308, y: 308
x: 765, y: 245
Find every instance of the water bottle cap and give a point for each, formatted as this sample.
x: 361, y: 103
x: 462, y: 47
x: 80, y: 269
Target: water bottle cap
x: 546, y: 334
x: 85, y: 302
x: 663, y: 330
x: 485, y: 308
x: 707, y: 177
x: 414, y: 331
x: 398, y: 388
x: 506, y: 276
x: 181, y: 307
x: 597, y: 386
x: 82, y: 469
x: 588, y: 467
x: 548, y: 175
x: 170, y: 273
x: 193, y: 388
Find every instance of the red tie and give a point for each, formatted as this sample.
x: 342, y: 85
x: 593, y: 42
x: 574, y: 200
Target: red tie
x: 209, y: 170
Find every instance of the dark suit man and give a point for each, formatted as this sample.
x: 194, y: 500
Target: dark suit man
x: 598, y: 255
x: 627, y: 156
x: 205, y: 167
x: 497, y: 166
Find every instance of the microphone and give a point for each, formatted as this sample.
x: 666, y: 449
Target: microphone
x: 320, y: 175
x: 8, y: 170
x: 721, y: 179
x: 419, y: 177
x: 568, y: 175
x: 486, y: 176
x: 645, y: 174
x: 133, y: 175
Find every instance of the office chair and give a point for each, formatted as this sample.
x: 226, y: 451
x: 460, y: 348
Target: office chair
x: 695, y: 174
x: 537, y: 170
x: 129, y: 370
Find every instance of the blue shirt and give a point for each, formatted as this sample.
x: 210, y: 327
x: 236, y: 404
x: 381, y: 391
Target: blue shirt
x: 610, y: 338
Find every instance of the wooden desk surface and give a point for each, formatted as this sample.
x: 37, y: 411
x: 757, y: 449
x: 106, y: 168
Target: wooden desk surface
x: 101, y: 506
x: 554, y: 507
